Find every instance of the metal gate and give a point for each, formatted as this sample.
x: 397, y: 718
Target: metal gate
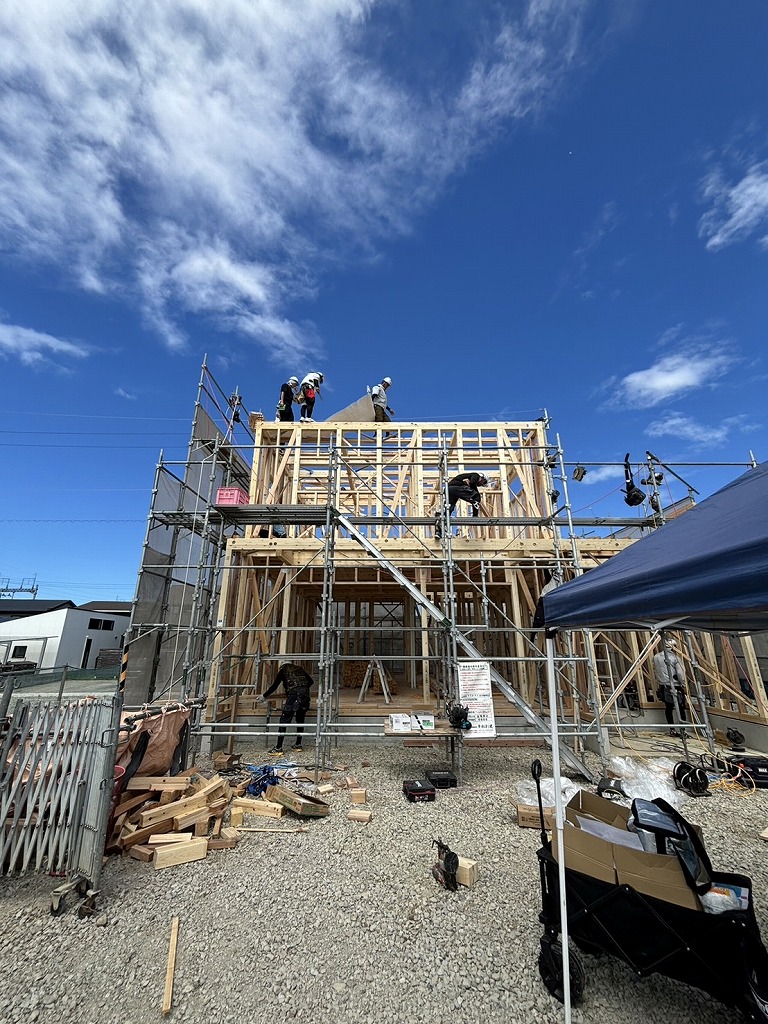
x: 56, y: 780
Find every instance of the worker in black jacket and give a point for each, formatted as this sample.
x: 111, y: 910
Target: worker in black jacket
x: 297, y: 684
x: 464, y: 487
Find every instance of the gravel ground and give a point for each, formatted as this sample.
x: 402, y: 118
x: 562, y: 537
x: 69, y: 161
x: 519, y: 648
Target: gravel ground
x: 345, y: 923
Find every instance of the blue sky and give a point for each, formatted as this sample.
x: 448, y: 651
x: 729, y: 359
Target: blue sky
x: 506, y: 207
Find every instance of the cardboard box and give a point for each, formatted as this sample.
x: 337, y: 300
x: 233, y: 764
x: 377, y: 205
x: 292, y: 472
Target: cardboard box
x: 651, y: 874
x: 306, y: 806
x: 427, y: 720
x: 400, y: 723
x: 528, y: 816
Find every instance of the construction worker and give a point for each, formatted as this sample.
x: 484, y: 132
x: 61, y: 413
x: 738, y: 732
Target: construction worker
x: 297, y: 684
x: 286, y: 400
x: 309, y: 391
x: 669, y: 670
x: 463, y: 487
x: 381, y: 411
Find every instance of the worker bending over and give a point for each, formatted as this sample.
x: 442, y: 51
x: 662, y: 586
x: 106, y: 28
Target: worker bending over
x: 297, y: 684
x: 464, y: 487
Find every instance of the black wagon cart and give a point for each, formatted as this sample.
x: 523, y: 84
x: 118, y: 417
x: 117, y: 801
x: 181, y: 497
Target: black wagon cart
x: 720, y: 953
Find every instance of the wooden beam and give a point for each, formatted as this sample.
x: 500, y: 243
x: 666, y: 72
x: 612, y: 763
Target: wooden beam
x: 171, y: 967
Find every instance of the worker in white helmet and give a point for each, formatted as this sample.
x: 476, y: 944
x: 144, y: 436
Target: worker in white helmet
x: 286, y: 400
x: 309, y: 391
x: 381, y: 411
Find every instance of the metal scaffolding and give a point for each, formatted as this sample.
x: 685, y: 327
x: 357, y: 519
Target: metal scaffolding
x: 335, y: 560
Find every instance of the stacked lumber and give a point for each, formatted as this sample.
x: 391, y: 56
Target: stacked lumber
x: 174, y: 819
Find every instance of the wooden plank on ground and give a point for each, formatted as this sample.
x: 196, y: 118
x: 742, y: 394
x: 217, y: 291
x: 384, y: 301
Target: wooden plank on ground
x: 169, y: 837
x: 172, y: 810
x: 180, y: 853
x: 157, y: 782
x: 142, y: 852
x: 125, y: 806
x: 170, y: 969
x: 141, y: 835
x: 192, y: 817
x: 264, y: 808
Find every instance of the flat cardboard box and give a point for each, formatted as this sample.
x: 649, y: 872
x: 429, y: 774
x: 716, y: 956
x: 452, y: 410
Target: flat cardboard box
x: 651, y: 874
x: 424, y: 721
x: 528, y: 816
x: 400, y: 723
x: 306, y: 806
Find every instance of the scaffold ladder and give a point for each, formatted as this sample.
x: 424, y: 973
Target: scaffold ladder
x: 464, y: 642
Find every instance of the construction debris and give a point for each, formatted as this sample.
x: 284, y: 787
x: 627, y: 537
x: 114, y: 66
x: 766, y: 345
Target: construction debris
x: 172, y: 820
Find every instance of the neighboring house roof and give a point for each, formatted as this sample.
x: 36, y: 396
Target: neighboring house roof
x: 13, y: 609
x: 107, y: 607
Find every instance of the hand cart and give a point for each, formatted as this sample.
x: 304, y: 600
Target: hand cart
x: 722, y: 954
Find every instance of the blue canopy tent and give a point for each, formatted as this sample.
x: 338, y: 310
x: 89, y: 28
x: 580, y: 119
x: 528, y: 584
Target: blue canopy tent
x: 706, y: 570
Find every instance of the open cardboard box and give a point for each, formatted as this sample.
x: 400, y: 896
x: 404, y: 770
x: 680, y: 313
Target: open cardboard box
x: 652, y: 874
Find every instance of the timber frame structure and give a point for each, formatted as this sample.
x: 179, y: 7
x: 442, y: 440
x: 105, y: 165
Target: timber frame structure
x: 340, y: 564
x: 335, y: 563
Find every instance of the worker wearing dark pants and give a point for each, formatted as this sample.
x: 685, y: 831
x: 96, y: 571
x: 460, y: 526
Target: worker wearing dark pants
x: 668, y: 670
x: 297, y: 684
x: 463, y: 487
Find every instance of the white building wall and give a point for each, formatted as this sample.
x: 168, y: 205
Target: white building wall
x: 58, y: 638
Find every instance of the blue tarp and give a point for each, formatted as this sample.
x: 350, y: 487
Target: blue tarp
x: 706, y: 570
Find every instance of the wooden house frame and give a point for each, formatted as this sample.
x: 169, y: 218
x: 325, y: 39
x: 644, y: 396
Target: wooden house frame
x: 297, y: 586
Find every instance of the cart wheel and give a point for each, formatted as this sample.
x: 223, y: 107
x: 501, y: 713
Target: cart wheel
x: 551, y: 971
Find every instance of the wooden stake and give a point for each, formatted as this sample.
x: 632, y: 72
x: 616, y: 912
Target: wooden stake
x: 168, y: 993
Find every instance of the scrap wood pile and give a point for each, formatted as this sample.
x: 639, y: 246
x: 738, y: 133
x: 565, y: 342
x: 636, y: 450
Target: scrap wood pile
x: 175, y: 819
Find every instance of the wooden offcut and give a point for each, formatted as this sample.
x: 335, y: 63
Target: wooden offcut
x: 467, y: 872
x: 262, y: 808
x: 358, y: 814
x: 180, y: 853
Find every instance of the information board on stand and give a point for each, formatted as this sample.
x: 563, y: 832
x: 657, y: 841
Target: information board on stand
x: 476, y: 695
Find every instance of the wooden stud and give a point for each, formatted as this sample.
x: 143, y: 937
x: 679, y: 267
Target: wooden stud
x: 171, y: 967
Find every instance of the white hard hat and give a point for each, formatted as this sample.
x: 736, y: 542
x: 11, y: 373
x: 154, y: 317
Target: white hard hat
x: 293, y: 380
x: 386, y: 380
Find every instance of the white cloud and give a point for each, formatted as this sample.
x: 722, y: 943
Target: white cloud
x: 122, y: 393
x: 35, y: 348
x: 672, y: 375
x: 687, y: 429
x: 736, y: 211
x: 599, y: 474
x: 211, y: 159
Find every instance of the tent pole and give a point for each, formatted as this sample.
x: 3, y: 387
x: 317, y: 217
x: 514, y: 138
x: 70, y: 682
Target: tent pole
x: 709, y: 734
x: 555, y: 744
